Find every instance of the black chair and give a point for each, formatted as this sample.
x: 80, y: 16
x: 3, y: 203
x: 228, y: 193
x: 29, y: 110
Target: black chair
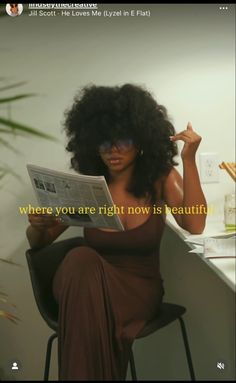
x: 43, y: 263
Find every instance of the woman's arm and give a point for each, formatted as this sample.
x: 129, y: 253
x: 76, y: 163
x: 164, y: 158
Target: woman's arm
x: 187, y: 192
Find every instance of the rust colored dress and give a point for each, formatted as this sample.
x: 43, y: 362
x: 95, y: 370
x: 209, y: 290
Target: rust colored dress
x: 107, y: 291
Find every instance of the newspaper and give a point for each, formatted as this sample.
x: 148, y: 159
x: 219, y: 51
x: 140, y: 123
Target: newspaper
x: 79, y: 200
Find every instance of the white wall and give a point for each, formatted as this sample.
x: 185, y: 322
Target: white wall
x: 183, y: 53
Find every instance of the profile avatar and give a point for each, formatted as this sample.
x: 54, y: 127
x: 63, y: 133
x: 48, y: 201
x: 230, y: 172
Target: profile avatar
x: 15, y: 366
x: 14, y: 9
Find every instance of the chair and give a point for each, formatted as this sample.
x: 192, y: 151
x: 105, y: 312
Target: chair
x: 168, y: 313
x: 43, y: 262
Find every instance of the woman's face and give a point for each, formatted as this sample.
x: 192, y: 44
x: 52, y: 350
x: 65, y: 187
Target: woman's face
x: 14, y: 8
x: 118, y: 155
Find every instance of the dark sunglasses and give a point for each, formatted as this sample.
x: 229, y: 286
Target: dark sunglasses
x: 123, y: 145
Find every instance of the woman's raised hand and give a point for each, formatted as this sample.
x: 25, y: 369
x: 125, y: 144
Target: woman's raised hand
x: 191, y: 142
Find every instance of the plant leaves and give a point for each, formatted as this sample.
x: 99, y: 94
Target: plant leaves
x: 5, y: 301
x: 7, y: 131
x: 7, y: 170
x: 15, y: 85
x: 10, y: 262
x: 8, y: 146
x: 13, y: 132
x: 9, y: 316
x: 3, y: 172
x: 23, y: 128
x: 16, y: 98
x: 3, y: 294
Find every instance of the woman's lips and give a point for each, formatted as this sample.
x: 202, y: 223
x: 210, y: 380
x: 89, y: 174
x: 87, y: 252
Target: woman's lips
x: 114, y: 160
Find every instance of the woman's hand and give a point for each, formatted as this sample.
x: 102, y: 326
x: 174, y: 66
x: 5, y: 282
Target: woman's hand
x: 44, y: 229
x: 191, y: 142
x: 42, y: 222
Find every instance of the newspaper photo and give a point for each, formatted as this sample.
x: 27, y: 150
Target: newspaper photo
x: 79, y: 200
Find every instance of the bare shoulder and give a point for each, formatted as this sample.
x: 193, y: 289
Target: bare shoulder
x: 168, y: 181
x: 173, y: 175
x: 171, y: 187
x: 173, y: 181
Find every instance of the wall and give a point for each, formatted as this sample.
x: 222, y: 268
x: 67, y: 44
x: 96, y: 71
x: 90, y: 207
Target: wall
x: 183, y: 53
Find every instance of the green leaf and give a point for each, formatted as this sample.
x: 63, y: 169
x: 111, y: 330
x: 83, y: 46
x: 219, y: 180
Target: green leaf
x: 16, y: 98
x: 7, y: 145
x: 3, y: 173
x: 23, y: 128
x: 7, y: 170
x: 13, y: 132
x: 16, y: 85
x: 7, y: 131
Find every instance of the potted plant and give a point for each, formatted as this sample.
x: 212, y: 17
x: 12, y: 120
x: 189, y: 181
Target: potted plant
x: 9, y: 128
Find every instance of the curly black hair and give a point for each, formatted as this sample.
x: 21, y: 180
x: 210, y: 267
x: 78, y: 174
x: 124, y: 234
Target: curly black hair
x: 101, y: 113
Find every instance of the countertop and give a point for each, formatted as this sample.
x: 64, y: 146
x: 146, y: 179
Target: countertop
x: 223, y: 267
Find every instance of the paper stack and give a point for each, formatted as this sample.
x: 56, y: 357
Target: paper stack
x: 218, y: 246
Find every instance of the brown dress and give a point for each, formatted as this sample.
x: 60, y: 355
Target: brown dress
x: 106, y: 292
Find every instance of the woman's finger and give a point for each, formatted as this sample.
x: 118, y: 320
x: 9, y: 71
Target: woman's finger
x: 189, y: 126
x: 43, y: 220
x: 181, y: 136
x: 188, y: 133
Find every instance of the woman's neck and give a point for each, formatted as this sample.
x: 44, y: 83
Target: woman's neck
x: 122, y: 178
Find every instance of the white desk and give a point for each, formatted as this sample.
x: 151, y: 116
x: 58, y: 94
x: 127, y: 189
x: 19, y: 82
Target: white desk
x: 223, y: 267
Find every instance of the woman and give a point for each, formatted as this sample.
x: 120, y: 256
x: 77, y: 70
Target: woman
x: 110, y: 287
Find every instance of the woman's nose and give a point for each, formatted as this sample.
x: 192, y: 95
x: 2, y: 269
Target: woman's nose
x: 114, y: 148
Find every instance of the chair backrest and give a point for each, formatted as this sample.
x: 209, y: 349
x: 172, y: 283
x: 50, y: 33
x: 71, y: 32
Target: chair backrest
x: 43, y: 263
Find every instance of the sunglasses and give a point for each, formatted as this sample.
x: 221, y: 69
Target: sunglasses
x: 123, y: 145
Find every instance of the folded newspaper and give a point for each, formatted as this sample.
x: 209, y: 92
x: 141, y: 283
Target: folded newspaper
x: 79, y: 200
